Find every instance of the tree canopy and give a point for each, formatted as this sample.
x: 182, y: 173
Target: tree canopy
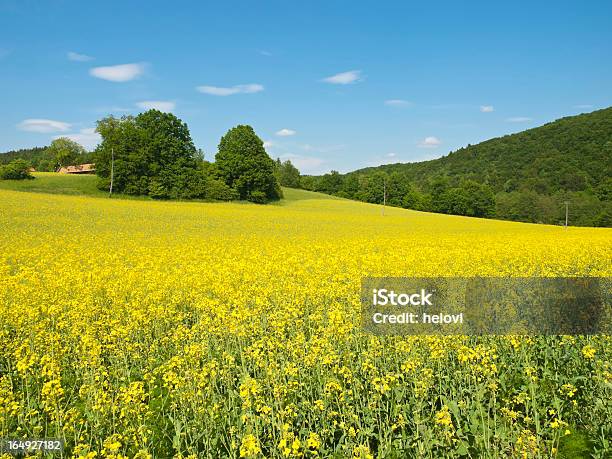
x: 244, y: 165
x: 287, y: 174
x: 18, y: 169
x: 153, y: 154
x: 65, y: 152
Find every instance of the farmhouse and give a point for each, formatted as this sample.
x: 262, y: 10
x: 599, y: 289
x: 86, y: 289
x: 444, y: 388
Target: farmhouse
x: 78, y: 169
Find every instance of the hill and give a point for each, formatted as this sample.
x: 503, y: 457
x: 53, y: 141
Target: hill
x: 51, y: 182
x: 525, y: 176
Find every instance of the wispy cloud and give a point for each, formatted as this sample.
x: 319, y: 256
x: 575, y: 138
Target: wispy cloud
x: 349, y: 77
x: 161, y: 105
x: 113, y: 109
x: 268, y: 144
x: 324, y: 149
x: 305, y: 164
x: 78, y: 57
x: 88, y: 138
x: 397, y: 103
x: 389, y: 158
x: 118, y: 73
x: 285, y: 132
x: 429, y: 142
x: 231, y: 90
x: 43, y: 125
x: 263, y: 52
x: 583, y: 106
x: 487, y: 108
x: 518, y: 119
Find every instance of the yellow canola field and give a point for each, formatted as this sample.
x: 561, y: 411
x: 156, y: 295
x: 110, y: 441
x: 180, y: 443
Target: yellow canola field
x: 168, y: 329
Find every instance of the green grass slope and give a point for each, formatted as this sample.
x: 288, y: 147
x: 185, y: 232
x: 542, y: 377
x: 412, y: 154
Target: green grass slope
x: 51, y: 182
x: 85, y: 185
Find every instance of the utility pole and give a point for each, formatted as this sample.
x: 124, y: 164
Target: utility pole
x: 110, y: 191
x: 384, y: 196
x: 566, y: 212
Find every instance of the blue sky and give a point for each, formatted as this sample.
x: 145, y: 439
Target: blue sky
x: 328, y: 84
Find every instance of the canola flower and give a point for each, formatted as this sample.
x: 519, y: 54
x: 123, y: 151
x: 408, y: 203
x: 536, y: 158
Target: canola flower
x: 188, y: 330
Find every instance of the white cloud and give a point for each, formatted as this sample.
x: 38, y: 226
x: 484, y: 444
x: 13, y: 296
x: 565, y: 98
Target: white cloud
x: 389, y: 158
x: 518, y: 119
x: 118, y: 73
x: 43, y: 125
x: 114, y: 109
x: 323, y: 148
x: 268, y: 144
x: 78, y: 57
x: 397, y: 103
x: 229, y: 91
x: 88, y: 138
x: 285, y: 132
x: 161, y: 105
x: 263, y: 52
x: 583, y: 106
x: 429, y: 142
x: 305, y: 164
x: 344, y: 78
x: 487, y: 108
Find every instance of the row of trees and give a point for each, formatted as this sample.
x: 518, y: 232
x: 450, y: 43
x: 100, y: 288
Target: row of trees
x: 468, y: 197
x: 153, y: 154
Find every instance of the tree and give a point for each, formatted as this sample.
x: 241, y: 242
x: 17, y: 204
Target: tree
x: 288, y: 175
x: 217, y: 190
x: 396, y: 188
x: 18, y: 169
x: 413, y: 199
x: 330, y: 183
x: 244, y: 165
x: 350, y: 186
x: 154, y: 155
x: 65, y: 152
x: 479, y: 199
x: 371, y: 188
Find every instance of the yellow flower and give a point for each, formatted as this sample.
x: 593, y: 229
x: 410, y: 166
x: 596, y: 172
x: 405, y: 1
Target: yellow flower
x: 443, y: 417
x: 249, y: 446
x: 588, y: 352
x: 362, y: 452
x: 314, y: 441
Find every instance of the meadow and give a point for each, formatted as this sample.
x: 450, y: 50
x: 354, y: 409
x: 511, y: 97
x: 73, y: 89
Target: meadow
x: 180, y: 329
